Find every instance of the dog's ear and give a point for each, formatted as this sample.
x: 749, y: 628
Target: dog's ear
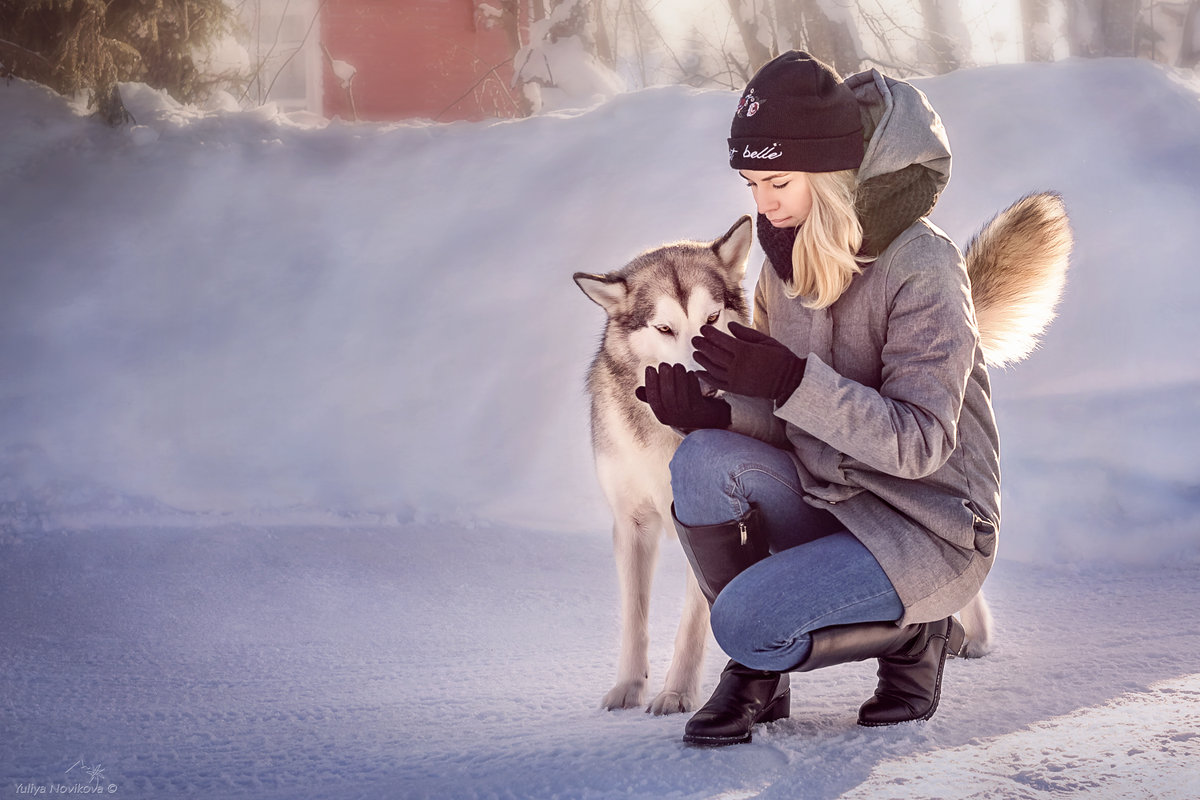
x: 734, y: 247
x: 608, y: 291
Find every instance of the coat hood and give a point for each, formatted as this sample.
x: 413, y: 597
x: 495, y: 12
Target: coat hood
x: 907, y: 159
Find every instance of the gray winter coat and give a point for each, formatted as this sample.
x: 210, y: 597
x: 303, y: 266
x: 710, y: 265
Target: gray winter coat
x: 892, y: 428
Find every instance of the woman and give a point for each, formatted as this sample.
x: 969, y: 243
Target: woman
x: 841, y: 500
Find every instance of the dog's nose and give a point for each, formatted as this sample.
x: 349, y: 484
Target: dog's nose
x: 707, y: 389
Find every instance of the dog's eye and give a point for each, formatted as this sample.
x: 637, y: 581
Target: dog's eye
x: 664, y: 329
x: 712, y: 318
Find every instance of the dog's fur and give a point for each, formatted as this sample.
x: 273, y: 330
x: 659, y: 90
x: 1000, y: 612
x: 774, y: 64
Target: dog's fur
x: 657, y: 303
x: 1018, y: 268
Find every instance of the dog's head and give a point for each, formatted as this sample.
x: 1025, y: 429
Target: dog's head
x: 658, y: 302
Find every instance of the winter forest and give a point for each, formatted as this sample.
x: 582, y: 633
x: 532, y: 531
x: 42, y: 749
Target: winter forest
x: 297, y: 489
x: 642, y: 43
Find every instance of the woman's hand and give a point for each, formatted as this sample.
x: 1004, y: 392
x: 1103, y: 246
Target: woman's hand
x: 748, y: 363
x: 674, y: 396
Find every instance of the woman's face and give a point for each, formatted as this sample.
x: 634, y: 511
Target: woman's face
x: 784, y: 198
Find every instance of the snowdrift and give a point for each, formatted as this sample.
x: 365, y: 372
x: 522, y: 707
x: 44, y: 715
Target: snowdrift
x: 243, y: 317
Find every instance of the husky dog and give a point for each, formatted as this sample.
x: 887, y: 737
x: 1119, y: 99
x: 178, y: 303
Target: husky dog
x: 657, y: 303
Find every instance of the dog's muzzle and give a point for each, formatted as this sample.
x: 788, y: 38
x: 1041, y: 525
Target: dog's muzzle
x: 707, y: 389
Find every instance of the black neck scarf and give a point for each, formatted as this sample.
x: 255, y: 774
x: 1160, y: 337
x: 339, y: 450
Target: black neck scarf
x: 777, y: 243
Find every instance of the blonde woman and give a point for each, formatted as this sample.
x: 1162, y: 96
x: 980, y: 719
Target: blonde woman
x: 842, y: 498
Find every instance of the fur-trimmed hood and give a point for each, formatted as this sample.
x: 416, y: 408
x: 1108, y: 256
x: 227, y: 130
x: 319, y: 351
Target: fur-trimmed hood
x: 907, y: 159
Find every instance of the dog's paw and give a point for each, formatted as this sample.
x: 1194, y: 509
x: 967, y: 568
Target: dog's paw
x: 976, y: 619
x: 627, y: 694
x: 976, y: 649
x: 670, y: 703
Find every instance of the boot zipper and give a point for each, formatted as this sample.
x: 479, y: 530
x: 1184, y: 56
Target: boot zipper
x: 742, y: 530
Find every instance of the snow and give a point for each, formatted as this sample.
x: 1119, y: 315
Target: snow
x: 1086, y: 752
x: 556, y: 71
x: 344, y: 71
x: 296, y: 494
x: 436, y: 661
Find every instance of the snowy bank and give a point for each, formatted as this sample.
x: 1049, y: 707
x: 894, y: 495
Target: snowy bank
x: 247, y: 318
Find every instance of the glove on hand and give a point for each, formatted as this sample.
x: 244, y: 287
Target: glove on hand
x: 748, y: 363
x: 674, y: 396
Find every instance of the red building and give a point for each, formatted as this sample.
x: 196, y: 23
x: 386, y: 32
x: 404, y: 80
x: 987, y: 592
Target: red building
x: 434, y: 59
x: 438, y: 59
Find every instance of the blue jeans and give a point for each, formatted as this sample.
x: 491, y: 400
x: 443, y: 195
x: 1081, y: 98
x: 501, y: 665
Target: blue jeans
x: 818, y: 575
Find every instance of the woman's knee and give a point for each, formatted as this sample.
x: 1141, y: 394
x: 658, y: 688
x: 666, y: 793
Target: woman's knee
x: 699, y: 447
x: 694, y: 458
x: 710, y: 454
x: 700, y: 477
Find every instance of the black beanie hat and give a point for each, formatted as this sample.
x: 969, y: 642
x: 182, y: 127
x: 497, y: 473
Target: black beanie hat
x: 796, y: 115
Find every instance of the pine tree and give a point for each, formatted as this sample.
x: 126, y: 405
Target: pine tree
x: 76, y: 46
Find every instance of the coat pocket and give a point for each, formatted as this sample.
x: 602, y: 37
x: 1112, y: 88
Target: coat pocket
x: 985, y: 532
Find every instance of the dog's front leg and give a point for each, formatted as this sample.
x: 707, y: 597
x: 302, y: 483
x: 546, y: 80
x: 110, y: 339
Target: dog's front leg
x: 635, y: 545
x: 683, y: 678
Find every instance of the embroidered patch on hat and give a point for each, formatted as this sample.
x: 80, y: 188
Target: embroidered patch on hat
x: 749, y: 104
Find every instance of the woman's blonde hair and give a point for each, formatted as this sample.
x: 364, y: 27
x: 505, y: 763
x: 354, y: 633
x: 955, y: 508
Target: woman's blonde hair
x: 824, y: 258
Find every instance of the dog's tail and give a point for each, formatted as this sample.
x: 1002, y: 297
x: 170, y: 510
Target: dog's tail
x: 1018, y: 266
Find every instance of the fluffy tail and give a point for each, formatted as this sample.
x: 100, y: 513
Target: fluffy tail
x: 1018, y: 267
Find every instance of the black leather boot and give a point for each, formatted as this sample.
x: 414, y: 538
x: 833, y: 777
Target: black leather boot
x: 719, y: 553
x: 744, y: 696
x: 910, y: 682
x: 910, y: 664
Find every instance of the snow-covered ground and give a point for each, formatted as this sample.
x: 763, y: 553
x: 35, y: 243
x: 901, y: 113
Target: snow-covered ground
x: 435, y: 662
x: 296, y: 497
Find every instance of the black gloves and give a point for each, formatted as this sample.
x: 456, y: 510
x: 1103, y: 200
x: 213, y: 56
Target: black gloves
x: 675, y: 398
x: 748, y: 363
